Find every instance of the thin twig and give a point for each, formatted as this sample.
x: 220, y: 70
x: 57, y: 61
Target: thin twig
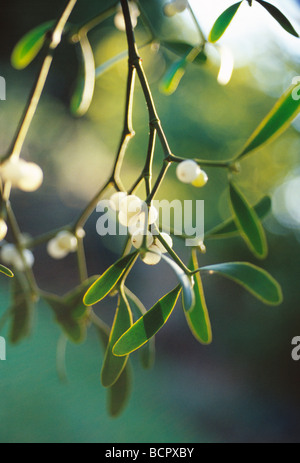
x: 89, y: 209
x: 159, y: 181
x: 203, y: 162
x: 86, y: 27
x: 201, y: 33
x: 52, y: 41
x: 136, y: 61
x: 81, y: 260
x: 128, y: 132
x: 17, y: 237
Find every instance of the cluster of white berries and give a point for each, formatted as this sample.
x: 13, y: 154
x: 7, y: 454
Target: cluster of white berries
x: 26, y: 176
x: 119, y: 17
x: 156, y: 249
x: 133, y: 213
x: 63, y: 244
x: 18, y: 173
x: 189, y: 172
x: 175, y: 6
x: 10, y: 255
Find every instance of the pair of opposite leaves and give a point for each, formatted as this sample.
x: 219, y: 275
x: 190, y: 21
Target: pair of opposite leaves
x: 257, y: 281
x: 223, y: 22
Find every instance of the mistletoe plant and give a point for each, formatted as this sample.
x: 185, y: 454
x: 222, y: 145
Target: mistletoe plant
x: 134, y: 326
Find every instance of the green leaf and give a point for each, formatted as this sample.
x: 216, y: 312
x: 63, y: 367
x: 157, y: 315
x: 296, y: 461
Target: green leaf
x: 229, y: 228
x: 106, y: 283
x: 70, y: 312
x: 279, y: 16
x: 74, y: 329
x: 201, y: 58
x: 74, y: 299
x: 173, y: 76
x: 276, y: 122
x: 185, y: 281
x: 198, y: 317
x: 119, y: 393
x: 113, y: 366
x: 30, y: 45
x: 223, y: 22
x: 103, y: 331
x: 22, y: 311
x: 147, y: 352
x: 22, y: 317
x: 254, y: 279
x: 183, y: 49
x: 175, y: 73
x: 148, y: 325
x: 6, y: 271
x: 83, y: 95
x: 248, y: 222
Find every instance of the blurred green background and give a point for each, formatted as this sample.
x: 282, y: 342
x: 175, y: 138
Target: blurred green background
x: 245, y: 386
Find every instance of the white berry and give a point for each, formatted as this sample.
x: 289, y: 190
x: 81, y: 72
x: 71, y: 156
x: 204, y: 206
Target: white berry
x: 153, y: 257
x: 66, y: 240
x: 116, y: 199
x: 120, y: 22
x: 3, y: 229
x: 10, y: 255
x: 170, y: 9
x: 7, y: 253
x: 137, y: 239
x: 131, y: 205
x: 12, y: 171
x: 55, y: 251
x: 26, y: 176
x: 80, y: 233
x: 201, y: 180
x: 168, y: 240
x: 123, y: 219
x: 174, y: 7
x: 130, y: 208
x: 119, y: 17
x: 188, y: 171
x: 32, y: 178
x: 29, y: 260
x: 60, y: 246
x: 138, y: 222
x: 196, y: 243
x: 181, y: 5
x: 153, y: 215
